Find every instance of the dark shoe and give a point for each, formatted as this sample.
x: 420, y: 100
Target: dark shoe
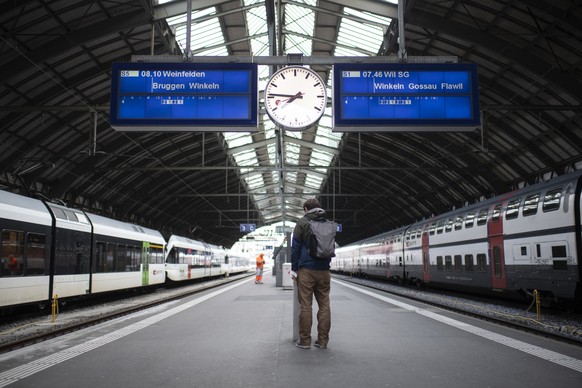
x: 298, y: 344
x: 318, y: 345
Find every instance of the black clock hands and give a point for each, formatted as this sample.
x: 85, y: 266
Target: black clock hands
x: 296, y: 96
x: 290, y: 99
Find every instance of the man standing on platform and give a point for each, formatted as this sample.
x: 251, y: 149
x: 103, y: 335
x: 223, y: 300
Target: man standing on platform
x: 313, y: 278
x: 260, y: 264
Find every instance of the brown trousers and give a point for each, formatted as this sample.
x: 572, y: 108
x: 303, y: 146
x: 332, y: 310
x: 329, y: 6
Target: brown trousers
x: 309, y: 283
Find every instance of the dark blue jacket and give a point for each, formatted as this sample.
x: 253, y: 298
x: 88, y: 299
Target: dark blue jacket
x: 300, y: 257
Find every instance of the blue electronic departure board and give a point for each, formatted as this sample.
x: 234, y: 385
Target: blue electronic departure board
x: 405, y: 97
x: 184, y: 97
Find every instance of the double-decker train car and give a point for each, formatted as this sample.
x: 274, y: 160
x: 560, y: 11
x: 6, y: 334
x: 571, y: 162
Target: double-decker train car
x: 526, y: 240
x: 49, y: 250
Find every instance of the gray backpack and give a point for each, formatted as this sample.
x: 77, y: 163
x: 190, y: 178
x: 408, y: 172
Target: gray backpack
x: 322, y: 239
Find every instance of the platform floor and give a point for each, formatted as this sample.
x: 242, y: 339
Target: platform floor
x: 241, y: 335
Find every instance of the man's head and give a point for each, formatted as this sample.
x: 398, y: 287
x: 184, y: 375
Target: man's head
x: 311, y: 203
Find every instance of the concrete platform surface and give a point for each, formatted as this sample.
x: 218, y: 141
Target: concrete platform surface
x: 241, y: 335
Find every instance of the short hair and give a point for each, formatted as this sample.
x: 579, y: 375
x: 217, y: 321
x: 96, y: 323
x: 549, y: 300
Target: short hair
x: 311, y: 203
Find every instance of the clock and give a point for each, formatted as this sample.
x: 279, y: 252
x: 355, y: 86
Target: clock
x: 295, y: 97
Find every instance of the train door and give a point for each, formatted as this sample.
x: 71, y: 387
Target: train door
x: 425, y: 258
x: 496, y: 252
x: 145, y: 264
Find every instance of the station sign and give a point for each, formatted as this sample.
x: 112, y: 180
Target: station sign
x: 184, y: 96
x: 247, y: 228
x: 405, y: 97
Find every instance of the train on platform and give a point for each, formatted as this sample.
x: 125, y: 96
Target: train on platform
x: 50, y: 251
x: 524, y: 242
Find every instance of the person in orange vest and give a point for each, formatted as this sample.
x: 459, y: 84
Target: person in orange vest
x: 260, y: 264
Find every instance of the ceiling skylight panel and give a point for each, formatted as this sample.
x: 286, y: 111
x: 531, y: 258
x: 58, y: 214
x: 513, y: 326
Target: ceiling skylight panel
x: 256, y: 19
x: 349, y: 51
x: 372, y: 19
x: 237, y: 139
x: 291, y: 149
x: 313, y: 182
x: 255, y: 181
x: 246, y: 159
x: 271, y: 150
x: 296, y: 44
x: 299, y: 19
x: 292, y: 175
x: 257, y: 26
x: 356, y: 35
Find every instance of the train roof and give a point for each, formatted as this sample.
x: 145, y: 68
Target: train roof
x: 18, y: 207
x: 111, y: 227
x: 562, y: 181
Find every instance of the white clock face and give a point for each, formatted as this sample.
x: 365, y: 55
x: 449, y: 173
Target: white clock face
x: 295, y: 97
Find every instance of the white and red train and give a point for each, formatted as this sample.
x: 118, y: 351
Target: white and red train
x: 526, y: 240
x: 49, y: 250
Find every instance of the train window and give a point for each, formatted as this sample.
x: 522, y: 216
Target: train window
x: 440, y: 263
x: 431, y: 229
x: 495, y: 215
x: 469, y: 264
x: 458, y: 263
x: 110, y: 258
x: 448, y: 263
x: 100, y: 257
x: 129, y: 258
x: 71, y: 216
x: 459, y: 222
x: 157, y: 254
x: 481, y: 262
x: 136, y: 258
x: 440, y: 225
x: 552, y: 200
x: 530, y: 205
x: 559, y: 251
x: 82, y: 219
x: 524, y: 251
x: 469, y: 220
x: 419, y: 233
x: 35, y: 257
x: 449, y: 225
x: 512, y: 210
x: 120, y: 260
x: 482, y: 217
x: 58, y: 212
x: 12, y: 252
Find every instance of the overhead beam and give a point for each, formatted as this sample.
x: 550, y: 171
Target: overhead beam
x: 286, y: 168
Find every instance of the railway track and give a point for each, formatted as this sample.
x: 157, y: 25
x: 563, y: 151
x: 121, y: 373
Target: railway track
x: 18, y: 334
